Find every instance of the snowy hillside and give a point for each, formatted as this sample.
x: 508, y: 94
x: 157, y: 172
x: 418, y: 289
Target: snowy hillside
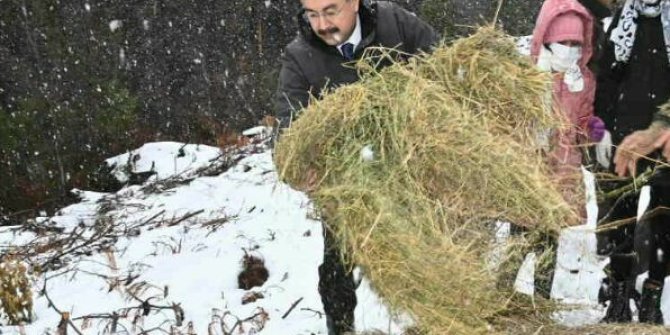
x: 167, y: 254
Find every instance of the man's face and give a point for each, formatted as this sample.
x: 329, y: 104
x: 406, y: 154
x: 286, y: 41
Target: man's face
x: 332, y: 20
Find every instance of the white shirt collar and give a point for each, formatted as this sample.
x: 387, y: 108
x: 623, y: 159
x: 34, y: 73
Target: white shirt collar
x: 355, y: 37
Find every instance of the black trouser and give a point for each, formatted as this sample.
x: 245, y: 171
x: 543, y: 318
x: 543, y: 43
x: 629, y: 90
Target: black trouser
x: 645, y: 245
x: 659, y: 226
x: 336, y: 287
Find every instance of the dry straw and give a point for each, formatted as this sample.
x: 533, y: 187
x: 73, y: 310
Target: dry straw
x: 538, y: 324
x: 454, y: 136
x: 16, y: 299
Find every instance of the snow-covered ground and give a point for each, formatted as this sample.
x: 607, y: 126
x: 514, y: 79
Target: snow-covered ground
x: 180, y: 241
x: 167, y: 253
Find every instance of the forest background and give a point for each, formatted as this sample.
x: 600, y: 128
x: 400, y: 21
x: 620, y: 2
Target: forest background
x: 84, y: 80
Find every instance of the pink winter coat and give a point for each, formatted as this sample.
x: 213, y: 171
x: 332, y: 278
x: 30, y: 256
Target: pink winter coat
x: 577, y: 107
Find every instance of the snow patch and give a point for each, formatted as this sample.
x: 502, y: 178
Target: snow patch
x: 166, y: 159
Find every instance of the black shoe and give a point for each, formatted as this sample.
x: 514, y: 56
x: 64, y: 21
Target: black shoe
x: 619, y: 294
x: 650, y: 304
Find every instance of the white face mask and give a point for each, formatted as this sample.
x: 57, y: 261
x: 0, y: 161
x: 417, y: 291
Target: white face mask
x: 563, y: 56
x: 650, y: 8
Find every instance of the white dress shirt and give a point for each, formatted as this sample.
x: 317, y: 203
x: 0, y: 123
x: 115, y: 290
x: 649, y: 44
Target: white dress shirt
x: 355, y: 37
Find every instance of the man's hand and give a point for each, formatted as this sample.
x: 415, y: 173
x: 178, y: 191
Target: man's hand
x: 663, y: 142
x: 634, y: 146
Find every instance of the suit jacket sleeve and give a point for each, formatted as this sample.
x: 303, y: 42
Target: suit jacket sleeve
x: 417, y: 34
x: 292, y: 92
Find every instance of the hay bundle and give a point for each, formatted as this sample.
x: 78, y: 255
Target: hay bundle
x: 453, y: 136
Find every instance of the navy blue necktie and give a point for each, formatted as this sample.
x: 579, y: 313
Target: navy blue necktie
x: 348, y: 51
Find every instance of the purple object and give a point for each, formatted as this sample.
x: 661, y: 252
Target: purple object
x: 596, y: 129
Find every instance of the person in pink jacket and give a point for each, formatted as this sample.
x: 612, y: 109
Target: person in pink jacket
x: 562, y: 43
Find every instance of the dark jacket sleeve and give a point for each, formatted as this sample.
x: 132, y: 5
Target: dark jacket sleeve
x: 292, y: 92
x: 610, y: 74
x: 417, y: 34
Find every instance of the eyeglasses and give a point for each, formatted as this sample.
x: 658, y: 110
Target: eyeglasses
x: 328, y: 14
